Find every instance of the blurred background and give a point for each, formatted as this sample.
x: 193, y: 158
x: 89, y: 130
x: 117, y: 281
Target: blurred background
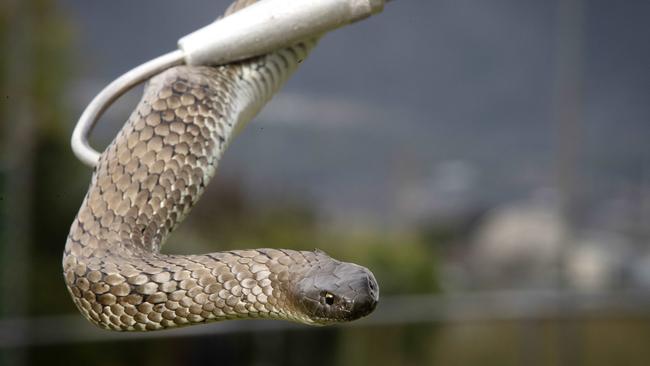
x: 488, y: 160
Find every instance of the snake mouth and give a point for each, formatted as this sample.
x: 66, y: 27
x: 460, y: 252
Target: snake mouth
x: 349, y: 312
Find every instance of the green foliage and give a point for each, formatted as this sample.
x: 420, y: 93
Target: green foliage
x: 51, y: 70
x: 57, y: 181
x: 403, y: 264
x: 4, y: 67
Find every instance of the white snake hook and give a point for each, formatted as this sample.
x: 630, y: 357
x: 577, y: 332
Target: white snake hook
x: 257, y: 29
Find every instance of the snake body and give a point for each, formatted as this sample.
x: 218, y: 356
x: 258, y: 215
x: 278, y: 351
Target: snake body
x: 145, y: 183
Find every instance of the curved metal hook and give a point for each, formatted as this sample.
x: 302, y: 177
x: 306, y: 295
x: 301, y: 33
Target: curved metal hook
x: 108, y: 95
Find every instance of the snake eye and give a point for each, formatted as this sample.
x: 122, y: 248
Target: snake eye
x: 329, y: 298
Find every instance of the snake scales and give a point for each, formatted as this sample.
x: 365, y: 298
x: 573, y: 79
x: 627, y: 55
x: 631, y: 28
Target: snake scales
x: 147, y: 180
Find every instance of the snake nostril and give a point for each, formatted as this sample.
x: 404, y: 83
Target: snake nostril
x: 365, y: 305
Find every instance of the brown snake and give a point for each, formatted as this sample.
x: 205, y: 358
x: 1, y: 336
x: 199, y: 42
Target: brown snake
x: 145, y: 183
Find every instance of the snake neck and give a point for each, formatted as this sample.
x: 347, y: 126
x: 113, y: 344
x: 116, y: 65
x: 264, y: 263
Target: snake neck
x: 166, y: 291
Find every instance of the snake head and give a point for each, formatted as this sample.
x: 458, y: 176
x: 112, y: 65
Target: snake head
x: 332, y: 291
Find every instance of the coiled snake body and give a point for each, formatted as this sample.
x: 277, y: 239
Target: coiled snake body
x: 147, y: 180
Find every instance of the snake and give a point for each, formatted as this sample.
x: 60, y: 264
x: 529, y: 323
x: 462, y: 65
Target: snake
x: 147, y: 180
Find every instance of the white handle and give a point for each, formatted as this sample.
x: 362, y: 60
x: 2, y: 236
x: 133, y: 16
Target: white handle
x: 269, y: 25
